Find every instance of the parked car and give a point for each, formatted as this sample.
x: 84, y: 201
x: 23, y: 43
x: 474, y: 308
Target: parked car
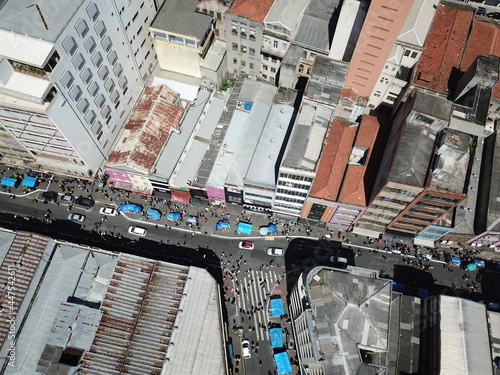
x: 108, y: 211
x: 481, y: 11
x: 138, y: 231
x: 67, y: 199
x: 340, y: 262
x: 275, y: 251
x: 245, y: 349
x: 77, y: 217
x: 248, y: 245
x: 50, y: 195
x: 494, y: 15
x: 85, y: 202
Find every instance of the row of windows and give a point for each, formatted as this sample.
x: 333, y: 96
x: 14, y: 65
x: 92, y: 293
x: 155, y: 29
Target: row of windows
x: 433, y: 206
x: 291, y: 192
x: 243, y: 49
x: 384, y: 208
x: 382, y: 216
x: 397, y: 227
x: 408, y: 193
x: 293, y: 185
x: 424, y: 212
x: 265, y: 67
x: 441, y: 199
x: 289, y: 199
x: 287, y: 206
x: 412, y: 217
x: 296, y: 177
x: 392, y: 200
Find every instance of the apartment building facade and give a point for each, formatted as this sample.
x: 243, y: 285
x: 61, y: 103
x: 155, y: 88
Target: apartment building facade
x: 70, y: 76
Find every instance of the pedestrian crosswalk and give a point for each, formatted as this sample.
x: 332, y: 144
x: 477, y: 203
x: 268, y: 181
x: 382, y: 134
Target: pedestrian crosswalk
x: 252, y: 291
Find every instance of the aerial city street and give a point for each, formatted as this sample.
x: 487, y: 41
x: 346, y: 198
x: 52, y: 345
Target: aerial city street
x: 249, y: 187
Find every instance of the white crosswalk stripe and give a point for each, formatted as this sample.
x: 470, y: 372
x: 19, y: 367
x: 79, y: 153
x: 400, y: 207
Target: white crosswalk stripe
x: 255, y: 293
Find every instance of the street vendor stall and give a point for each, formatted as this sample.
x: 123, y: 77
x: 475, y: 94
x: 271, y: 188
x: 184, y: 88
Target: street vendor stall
x: 222, y: 226
x: 283, y: 363
x: 276, y: 307
x: 10, y: 182
x: 276, y: 337
x: 174, y: 216
x: 29, y: 181
x: 153, y: 213
x: 244, y: 228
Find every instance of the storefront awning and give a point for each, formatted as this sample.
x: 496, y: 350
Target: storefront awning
x: 180, y: 196
x: 282, y: 363
x: 29, y: 181
x: 277, y: 308
x: 276, y: 335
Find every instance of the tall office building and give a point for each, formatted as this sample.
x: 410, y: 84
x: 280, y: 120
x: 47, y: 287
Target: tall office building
x: 70, y: 75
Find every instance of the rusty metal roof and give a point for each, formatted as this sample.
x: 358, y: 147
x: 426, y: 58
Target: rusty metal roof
x: 16, y: 274
x: 157, y: 113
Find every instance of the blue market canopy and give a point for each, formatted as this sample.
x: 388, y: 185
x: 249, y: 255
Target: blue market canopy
x: 245, y: 228
x: 276, y: 335
x: 277, y: 308
x: 398, y: 287
x: 29, y: 181
x: 130, y: 207
x: 471, y: 267
x: 7, y: 181
x: 479, y: 263
x: 174, y: 216
x: 154, y: 213
x: 282, y: 363
x: 192, y: 219
x: 454, y: 260
x: 272, y: 228
x: 222, y: 225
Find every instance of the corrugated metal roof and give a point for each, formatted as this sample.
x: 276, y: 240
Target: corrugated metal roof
x: 464, y: 344
x: 286, y: 13
x: 149, y: 304
x: 16, y: 273
x: 155, y: 116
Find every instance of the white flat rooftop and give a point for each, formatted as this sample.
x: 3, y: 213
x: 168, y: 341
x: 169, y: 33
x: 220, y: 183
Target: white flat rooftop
x: 25, y: 49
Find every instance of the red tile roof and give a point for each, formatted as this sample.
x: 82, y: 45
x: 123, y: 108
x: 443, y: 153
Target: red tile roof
x: 334, y: 158
x: 444, y: 47
x: 353, y: 189
x: 154, y: 117
x: 349, y: 92
x: 256, y: 10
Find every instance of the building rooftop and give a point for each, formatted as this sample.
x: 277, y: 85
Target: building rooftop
x: 418, y: 22
x: 306, y: 142
x: 350, y: 313
x: 181, y: 17
x: 334, y: 158
x: 183, y: 153
x: 285, y: 13
x: 444, y: 47
x: 43, y: 20
x: 156, y: 115
x: 312, y: 30
x: 463, y: 332
x: 255, y: 10
x: 354, y: 187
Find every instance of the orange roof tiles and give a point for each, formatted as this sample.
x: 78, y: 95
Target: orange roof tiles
x: 484, y: 40
x: 350, y: 93
x: 255, y: 10
x: 334, y: 158
x: 444, y: 47
x: 154, y: 117
x: 353, y: 190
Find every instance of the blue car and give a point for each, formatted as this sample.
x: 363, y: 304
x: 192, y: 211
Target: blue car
x: 129, y: 207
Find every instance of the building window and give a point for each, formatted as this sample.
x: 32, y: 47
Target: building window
x: 219, y: 16
x: 243, y: 63
x: 275, y: 44
x: 244, y: 49
x: 93, y: 12
x: 100, y: 29
x: 103, y: 72
x: 90, y: 117
x: 83, y: 106
x: 67, y: 79
x: 235, y: 46
x: 391, y: 98
x: 118, y: 70
x: 97, y: 59
x: 312, y: 56
x: 70, y: 45
x: 414, y: 54
x: 99, y: 101
x: 109, y: 85
x: 90, y: 44
x: 264, y: 76
x: 273, y: 70
x: 78, y: 61
x: 407, y: 52
x: 82, y: 28
x: 235, y: 61
x: 250, y: 65
x: 264, y: 67
x: 251, y: 51
x: 112, y: 57
x: 106, y: 44
x: 93, y: 88
x: 284, y: 47
x: 86, y: 75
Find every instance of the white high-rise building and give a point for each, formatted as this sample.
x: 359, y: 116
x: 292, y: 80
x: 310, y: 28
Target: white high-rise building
x: 71, y: 72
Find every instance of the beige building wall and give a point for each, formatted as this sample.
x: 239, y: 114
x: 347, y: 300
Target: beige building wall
x: 178, y: 58
x: 380, y: 31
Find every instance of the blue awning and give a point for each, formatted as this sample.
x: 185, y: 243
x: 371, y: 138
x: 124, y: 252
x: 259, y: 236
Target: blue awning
x: 454, y: 260
x: 29, y: 181
x: 423, y: 293
x: 277, y: 308
x: 398, y: 287
x: 276, y: 335
x: 7, y: 181
x: 283, y: 363
x: 479, y: 263
x: 245, y: 228
x: 130, y: 207
x: 154, y: 213
x: 222, y: 225
x: 174, y: 216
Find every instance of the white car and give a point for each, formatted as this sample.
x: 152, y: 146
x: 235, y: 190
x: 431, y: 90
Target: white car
x: 77, y: 217
x: 108, y: 211
x: 275, y: 251
x: 248, y: 245
x: 245, y: 348
x: 138, y: 231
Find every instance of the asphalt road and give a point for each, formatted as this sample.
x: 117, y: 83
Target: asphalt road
x: 181, y: 245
